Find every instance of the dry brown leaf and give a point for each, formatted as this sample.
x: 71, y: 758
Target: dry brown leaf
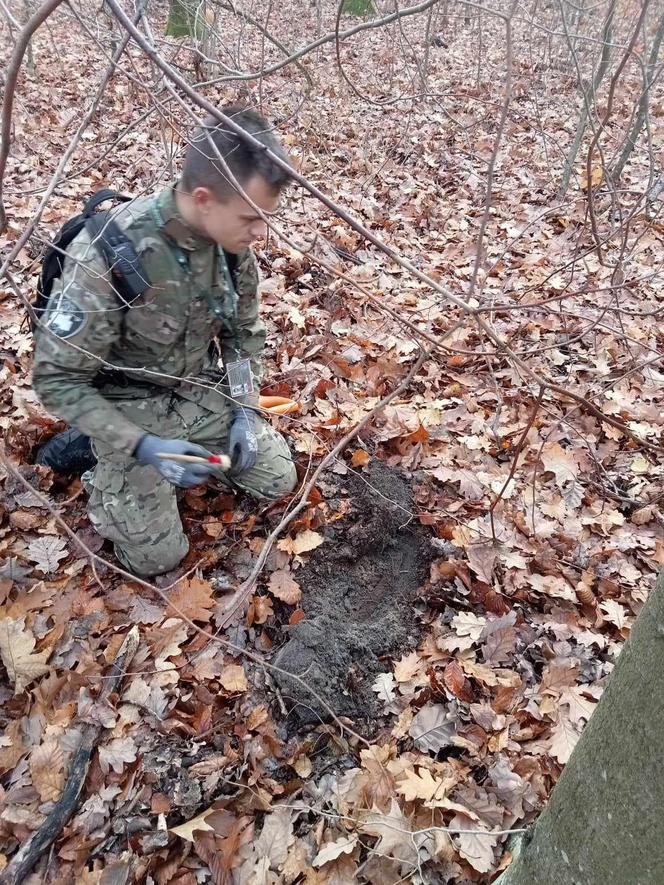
x: 17, y: 651
x: 433, y: 728
x: 47, y: 764
x: 186, y: 830
x: 260, y: 609
x: 481, y: 559
x: 408, y: 667
x: 384, y: 686
x: 394, y: 830
x: 561, y: 463
x: 420, y: 785
x: 116, y: 754
x: 11, y: 746
x: 596, y: 177
x: 25, y: 520
x: 305, y: 541
x: 615, y: 613
x: 47, y: 552
x: 276, y: 836
x: 499, y: 639
x: 332, y: 850
x: 476, y: 847
x: 194, y: 599
x: 233, y: 678
x: 564, y: 737
x: 283, y: 587
x: 360, y: 458
x: 456, y: 682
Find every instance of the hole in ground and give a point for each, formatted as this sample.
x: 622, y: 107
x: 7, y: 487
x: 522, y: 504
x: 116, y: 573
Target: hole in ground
x: 359, y: 592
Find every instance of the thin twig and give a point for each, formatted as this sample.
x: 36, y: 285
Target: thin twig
x: 13, y: 69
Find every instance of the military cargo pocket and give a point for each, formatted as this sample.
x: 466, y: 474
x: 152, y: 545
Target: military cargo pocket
x: 131, y: 504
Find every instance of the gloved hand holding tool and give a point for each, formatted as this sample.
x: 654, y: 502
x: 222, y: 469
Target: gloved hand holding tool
x: 168, y: 455
x: 196, y: 463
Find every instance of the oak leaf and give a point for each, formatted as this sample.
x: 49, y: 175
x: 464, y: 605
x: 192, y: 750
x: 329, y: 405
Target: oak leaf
x: 149, y: 697
x: 260, y: 610
x: 481, y: 559
x: 456, y: 682
x: 17, y: 644
x: 499, y: 639
x: 186, y: 830
x: 476, y: 844
x: 581, y: 708
x: 194, y: 599
x: 47, y: 552
x: 360, y: 458
x: 116, y: 753
x: 384, y: 687
x: 47, y: 764
x: 408, y: 667
x: 564, y: 737
x: 615, y: 613
x: 394, y: 831
x: 420, y: 785
x: 561, y: 463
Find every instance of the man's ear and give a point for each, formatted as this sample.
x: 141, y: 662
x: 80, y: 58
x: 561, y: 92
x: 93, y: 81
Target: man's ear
x: 203, y: 199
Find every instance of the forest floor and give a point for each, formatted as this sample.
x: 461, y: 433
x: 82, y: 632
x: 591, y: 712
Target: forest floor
x: 456, y: 591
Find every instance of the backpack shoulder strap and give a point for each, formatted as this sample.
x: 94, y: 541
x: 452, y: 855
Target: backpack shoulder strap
x: 129, y: 276
x: 100, y: 197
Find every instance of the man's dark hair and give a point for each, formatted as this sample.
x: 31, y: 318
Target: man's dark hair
x: 202, y: 167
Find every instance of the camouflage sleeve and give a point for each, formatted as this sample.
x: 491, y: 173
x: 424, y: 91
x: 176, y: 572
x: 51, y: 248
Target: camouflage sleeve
x: 82, y: 322
x: 251, y: 334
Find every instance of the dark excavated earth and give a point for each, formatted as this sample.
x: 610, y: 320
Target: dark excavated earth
x: 359, y: 593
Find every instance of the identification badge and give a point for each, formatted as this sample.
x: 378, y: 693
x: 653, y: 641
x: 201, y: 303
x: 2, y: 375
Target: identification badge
x: 240, y: 380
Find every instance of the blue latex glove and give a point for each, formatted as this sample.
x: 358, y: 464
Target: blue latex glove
x: 242, y: 442
x: 177, y: 473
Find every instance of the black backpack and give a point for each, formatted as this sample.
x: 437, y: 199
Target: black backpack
x: 129, y: 277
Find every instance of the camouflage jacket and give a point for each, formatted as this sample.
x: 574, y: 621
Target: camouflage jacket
x: 161, y: 338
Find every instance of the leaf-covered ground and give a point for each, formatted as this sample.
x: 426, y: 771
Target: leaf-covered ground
x: 544, y: 517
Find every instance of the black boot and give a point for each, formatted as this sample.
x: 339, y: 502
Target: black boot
x: 69, y: 453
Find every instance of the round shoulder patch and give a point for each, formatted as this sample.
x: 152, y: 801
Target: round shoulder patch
x: 66, y: 320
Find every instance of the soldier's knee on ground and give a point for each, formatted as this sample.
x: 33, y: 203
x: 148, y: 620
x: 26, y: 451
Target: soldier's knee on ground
x: 134, y: 508
x: 283, y: 481
x: 147, y: 560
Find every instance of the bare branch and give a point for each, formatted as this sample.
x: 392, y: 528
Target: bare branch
x: 20, y: 47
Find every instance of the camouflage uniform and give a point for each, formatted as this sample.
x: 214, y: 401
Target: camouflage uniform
x: 161, y: 344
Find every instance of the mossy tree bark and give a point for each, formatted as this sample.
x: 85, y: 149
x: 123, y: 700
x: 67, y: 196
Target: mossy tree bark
x: 604, y: 823
x: 183, y: 18
x: 359, y: 7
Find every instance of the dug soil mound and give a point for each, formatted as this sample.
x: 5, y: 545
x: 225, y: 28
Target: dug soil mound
x: 359, y: 593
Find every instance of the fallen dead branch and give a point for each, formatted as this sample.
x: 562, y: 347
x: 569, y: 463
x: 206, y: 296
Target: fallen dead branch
x: 30, y: 852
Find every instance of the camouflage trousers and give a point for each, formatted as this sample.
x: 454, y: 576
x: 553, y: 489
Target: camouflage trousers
x: 132, y: 506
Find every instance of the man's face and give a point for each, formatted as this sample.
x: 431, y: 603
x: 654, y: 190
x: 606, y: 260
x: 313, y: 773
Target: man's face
x: 232, y: 222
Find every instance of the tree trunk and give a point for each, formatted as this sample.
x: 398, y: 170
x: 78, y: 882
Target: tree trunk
x: 648, y: 80
x: 604, y: 823
x: 588, y: 94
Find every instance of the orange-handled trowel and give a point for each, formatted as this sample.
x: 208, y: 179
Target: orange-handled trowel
x: 275, y: 405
